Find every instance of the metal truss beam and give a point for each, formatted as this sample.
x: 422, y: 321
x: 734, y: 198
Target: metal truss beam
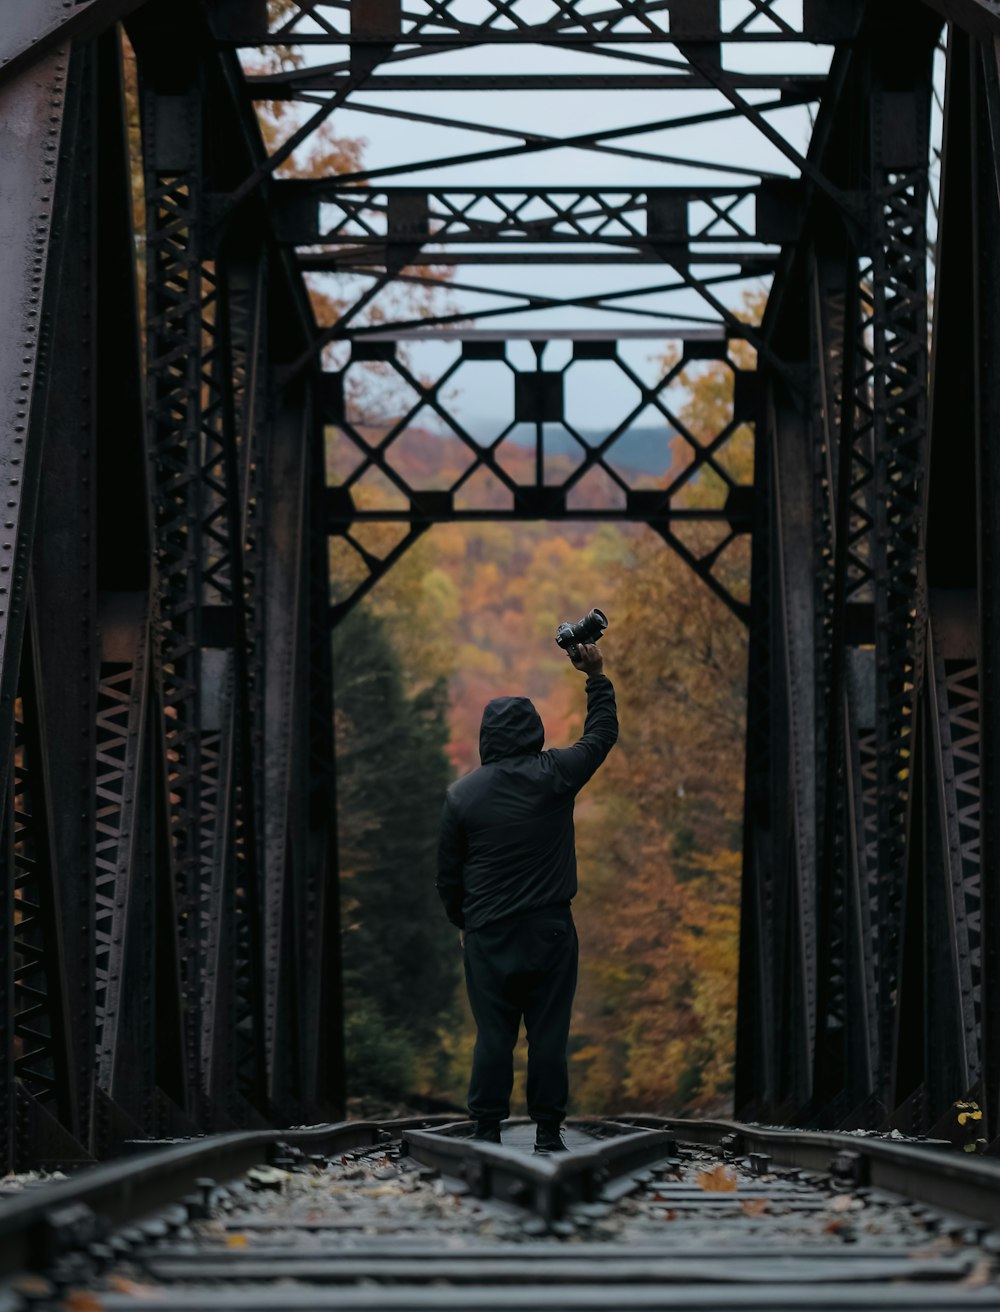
x: 981, y: 18
x: 220, y: 311
x: 873, y: 722
x: 167, y: 793
x: 670, y: 225
x: 504, y: 475
x: 137, y: 697
x: 33, y: 110
x: 682, y: 332
x: 366, y: 262
x: 794, y: 89
x: 364, y: 23
x: 31, y: 33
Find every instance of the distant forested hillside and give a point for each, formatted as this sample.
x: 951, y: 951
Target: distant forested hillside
x: 473, y: 608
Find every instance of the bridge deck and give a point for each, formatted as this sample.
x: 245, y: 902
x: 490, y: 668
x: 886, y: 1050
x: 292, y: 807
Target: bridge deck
x: 704, y: 1225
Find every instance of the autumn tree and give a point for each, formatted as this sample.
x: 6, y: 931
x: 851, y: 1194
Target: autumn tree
x: 659, y: 828
x: 400, y: 955
x: 658, y: 1006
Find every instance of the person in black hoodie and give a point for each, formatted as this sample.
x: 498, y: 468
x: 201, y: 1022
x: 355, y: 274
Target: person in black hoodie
x: 506, y: 876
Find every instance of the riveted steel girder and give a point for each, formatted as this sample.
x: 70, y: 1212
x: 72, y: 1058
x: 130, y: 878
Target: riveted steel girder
x: 167, y: 835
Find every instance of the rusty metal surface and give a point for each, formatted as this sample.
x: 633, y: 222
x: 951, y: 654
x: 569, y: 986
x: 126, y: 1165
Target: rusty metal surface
x: 167, y: 889
x: 32, y: 32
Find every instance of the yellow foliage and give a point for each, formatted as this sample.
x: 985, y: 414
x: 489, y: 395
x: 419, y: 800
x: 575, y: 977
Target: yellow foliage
x: 658, y: 830
x: 480, y: 660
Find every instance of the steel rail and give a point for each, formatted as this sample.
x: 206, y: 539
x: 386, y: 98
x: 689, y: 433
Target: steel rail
x: 658, y: 1297
x: 927, y: 1173
x: 38, y: 1226
x: 545, y: 1183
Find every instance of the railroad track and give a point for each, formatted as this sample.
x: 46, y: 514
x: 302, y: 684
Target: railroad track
x: 643, y: 1213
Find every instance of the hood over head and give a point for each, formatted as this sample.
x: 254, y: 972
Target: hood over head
x: 511, y: 727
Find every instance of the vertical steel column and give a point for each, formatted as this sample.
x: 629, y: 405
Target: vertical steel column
x: 986, y: 272
x: 172, y: 142
x: 32, y: 112
x: 951, y: 762
x: 900, y: 111
x: 843, y: 1055
x: 44, y: 1064
x: 284, y: 601
x: 231, y: 452
x: 247, y: 330
x: 828, y: 312
x: 757, y: 1032
x: 232, y: 1030
x: 845, y: 644
x: 222, y: 611
x: 58, y: 696
x: 324, y: 1012
x: 792, y: 479
x: 207, y: 306
x: 122, y: 752
x: 127, y: 1031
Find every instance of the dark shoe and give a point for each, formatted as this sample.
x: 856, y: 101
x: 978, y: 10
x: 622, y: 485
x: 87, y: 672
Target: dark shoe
x: 548, y: 1138
x: 487, y: 1132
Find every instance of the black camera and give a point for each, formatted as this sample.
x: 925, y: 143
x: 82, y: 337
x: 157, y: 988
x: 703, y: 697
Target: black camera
x: 572, y: 636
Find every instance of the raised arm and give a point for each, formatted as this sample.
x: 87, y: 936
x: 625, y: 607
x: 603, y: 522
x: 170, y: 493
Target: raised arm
x: 575, y: 765
x: 451, y: 862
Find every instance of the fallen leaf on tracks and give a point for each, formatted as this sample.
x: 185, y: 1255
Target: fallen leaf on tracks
x: 82, y: 1300
x: 122, y: 1285
x: 717, y: 1179
x: 981, y: 1274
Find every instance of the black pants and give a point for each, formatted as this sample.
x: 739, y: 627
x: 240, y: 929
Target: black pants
x: 521, y: 967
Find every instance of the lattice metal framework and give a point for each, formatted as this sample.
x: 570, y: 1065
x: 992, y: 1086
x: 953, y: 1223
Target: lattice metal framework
x: 177, y: 480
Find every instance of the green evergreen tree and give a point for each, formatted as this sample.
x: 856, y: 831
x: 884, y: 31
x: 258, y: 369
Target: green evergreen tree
x: 401, y: 957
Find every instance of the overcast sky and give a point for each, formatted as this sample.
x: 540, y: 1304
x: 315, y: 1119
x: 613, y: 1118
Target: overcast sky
x: 391, y: 141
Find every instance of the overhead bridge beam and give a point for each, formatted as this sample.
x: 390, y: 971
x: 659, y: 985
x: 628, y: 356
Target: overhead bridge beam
x: 795, y: 88
x: 493, y: 469
x: 979, y: 17
x: 402, y: 220
x: 371, y: 259
x: 530, y: 504
x: 376, y: 22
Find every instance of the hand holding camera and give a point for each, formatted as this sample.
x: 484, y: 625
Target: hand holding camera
x: 579, y: 641
x: 588, y: 659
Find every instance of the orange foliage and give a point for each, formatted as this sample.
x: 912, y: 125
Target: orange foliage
x: 658, y: 830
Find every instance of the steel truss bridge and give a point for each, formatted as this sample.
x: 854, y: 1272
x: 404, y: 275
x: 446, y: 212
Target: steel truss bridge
x: 168, y: 854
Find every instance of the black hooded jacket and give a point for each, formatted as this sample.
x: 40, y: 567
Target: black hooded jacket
x: 507, y: 843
